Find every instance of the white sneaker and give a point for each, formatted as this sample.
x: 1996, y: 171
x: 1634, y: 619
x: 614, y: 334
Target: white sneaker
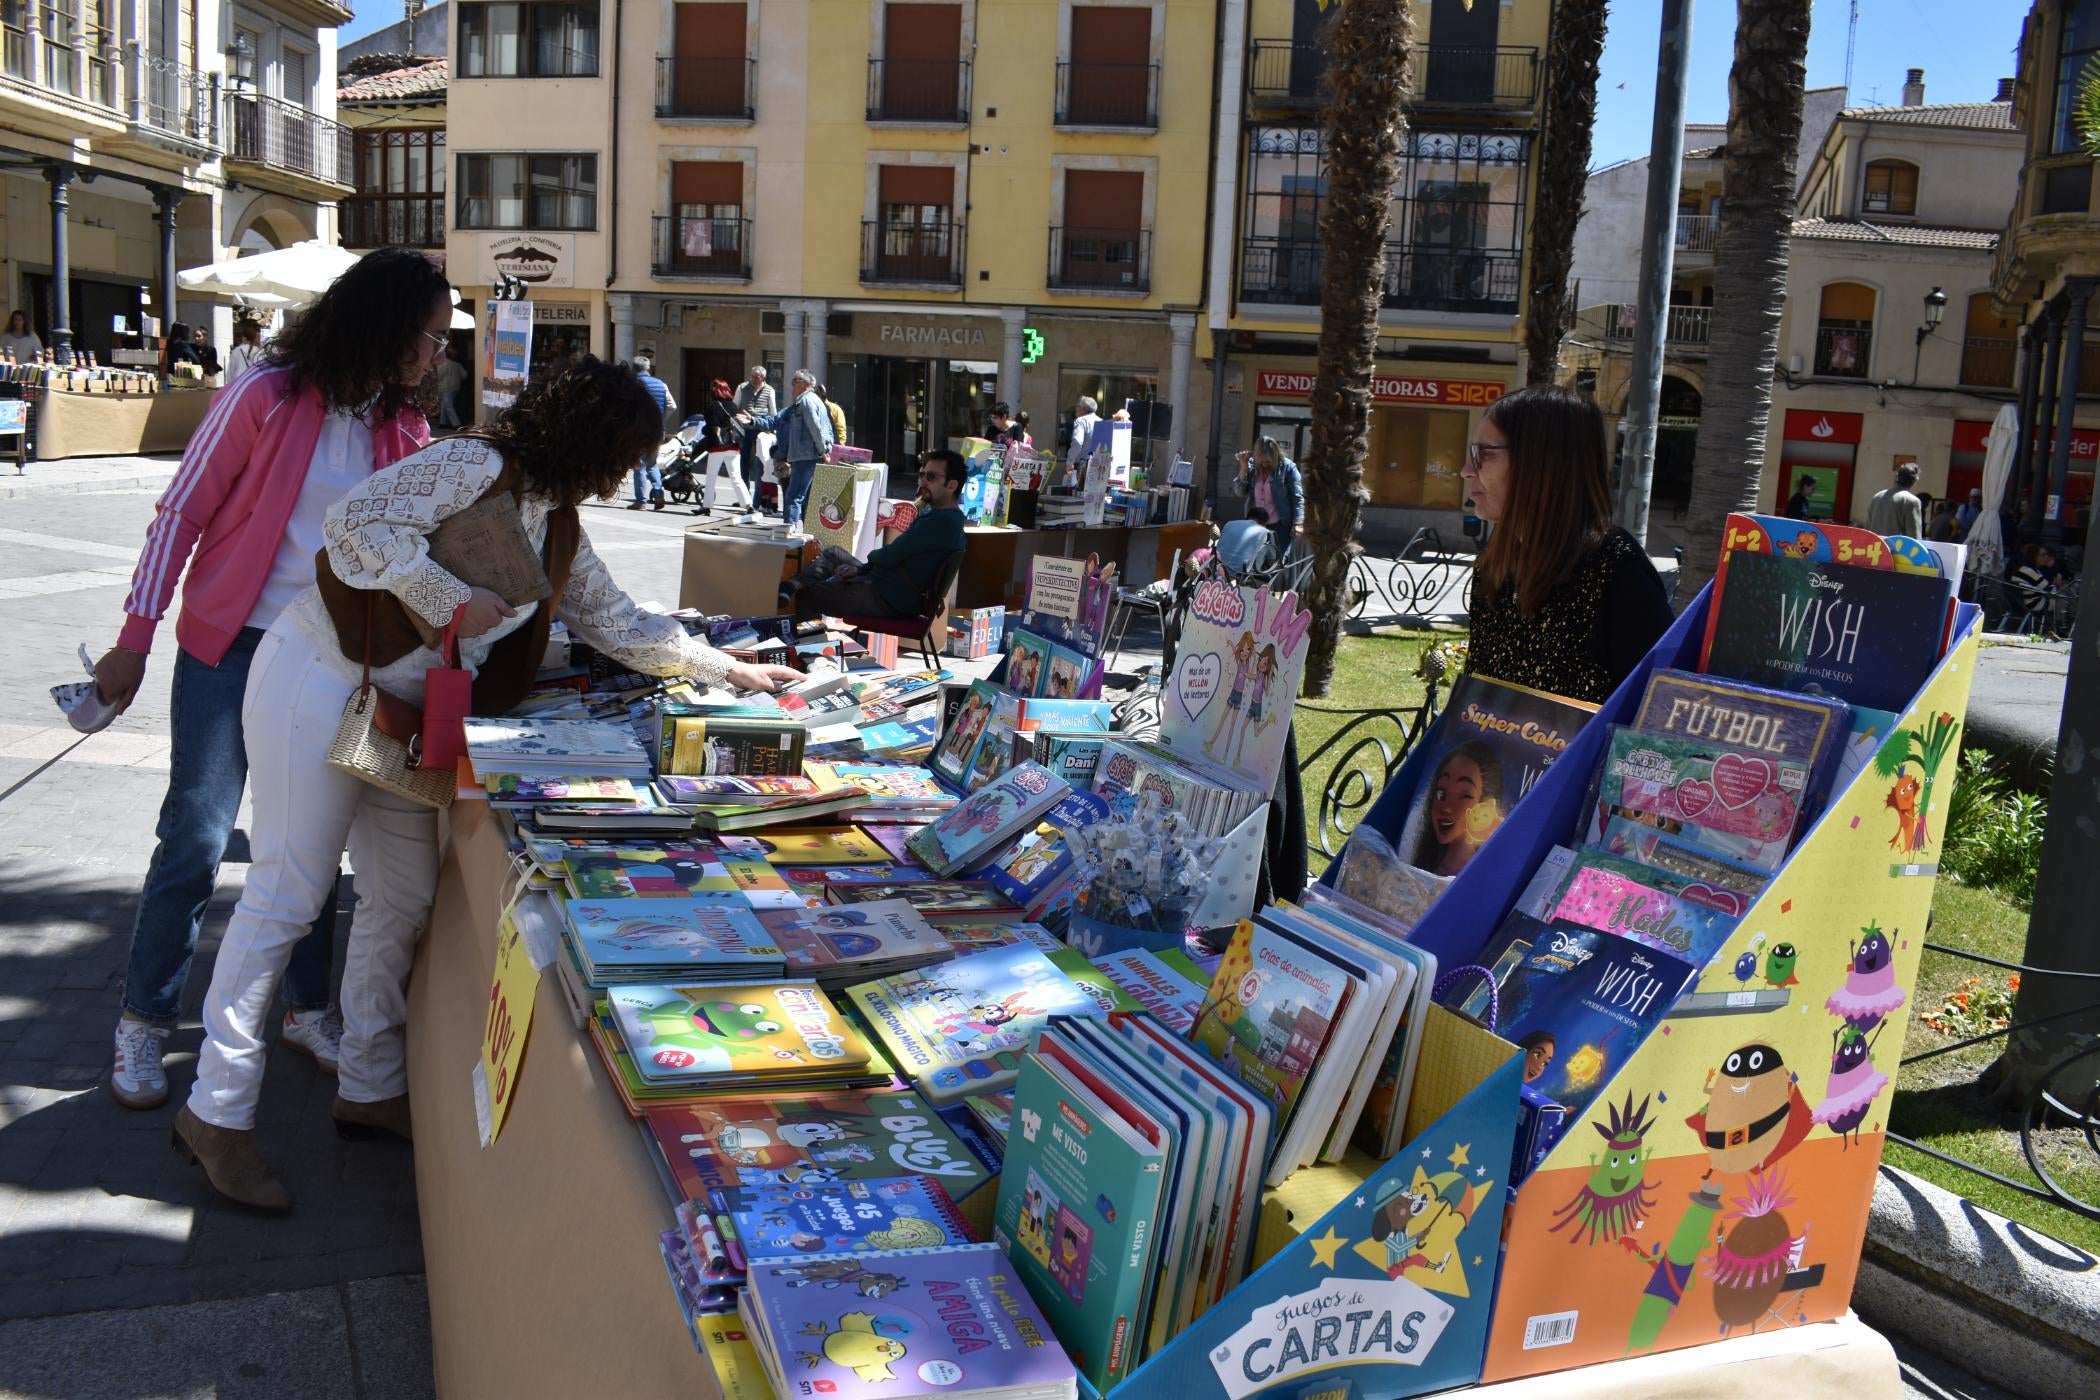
x: 316, y: 1033
x: 136, y: 1079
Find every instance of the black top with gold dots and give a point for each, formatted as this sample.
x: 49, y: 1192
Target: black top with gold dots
x: 1593, y: 630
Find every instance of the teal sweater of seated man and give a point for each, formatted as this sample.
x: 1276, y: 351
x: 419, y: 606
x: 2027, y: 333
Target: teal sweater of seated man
x: 903, y: 570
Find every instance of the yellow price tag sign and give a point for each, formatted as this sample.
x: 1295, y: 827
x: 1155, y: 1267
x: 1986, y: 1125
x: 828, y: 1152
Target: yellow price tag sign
x: 511, y: 997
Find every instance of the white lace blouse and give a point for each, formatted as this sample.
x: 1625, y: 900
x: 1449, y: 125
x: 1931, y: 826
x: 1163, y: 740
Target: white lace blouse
x: 377, y: 538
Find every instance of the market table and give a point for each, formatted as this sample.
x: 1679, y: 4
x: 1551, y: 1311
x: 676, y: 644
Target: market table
x: 540, y: 1251
x: 995, y: 568
x: 71, y: 424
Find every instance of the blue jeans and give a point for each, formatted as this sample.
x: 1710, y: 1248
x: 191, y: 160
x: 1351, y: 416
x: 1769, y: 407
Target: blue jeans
x: 796, y: 493
x: 208, y: 767
x: 648, y: 481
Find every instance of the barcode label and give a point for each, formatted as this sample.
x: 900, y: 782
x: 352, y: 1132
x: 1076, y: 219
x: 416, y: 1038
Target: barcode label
x: 1549, y: 1330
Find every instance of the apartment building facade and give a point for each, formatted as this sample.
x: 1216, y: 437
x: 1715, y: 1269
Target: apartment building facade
x: 140, y: 136
x: 392, y: 98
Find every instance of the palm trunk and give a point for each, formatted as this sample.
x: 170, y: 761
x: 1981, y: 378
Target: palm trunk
x: 1365, y: 122
x: 1750, y: 260
x: 1564, y: 162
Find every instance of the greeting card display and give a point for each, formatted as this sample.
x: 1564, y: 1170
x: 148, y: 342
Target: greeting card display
x: 1067, y: 600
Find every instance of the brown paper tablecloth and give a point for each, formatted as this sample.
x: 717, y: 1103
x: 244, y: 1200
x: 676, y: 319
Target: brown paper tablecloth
x: 117, y: 425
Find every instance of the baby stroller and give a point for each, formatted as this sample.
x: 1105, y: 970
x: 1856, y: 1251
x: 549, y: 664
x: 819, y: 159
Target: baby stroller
x: 679, y: 459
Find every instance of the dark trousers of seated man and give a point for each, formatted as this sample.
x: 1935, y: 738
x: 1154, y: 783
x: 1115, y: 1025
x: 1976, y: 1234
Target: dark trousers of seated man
x: 820, y: 592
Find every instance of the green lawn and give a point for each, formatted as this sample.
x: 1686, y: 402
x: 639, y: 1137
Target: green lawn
x: 1370, y: 671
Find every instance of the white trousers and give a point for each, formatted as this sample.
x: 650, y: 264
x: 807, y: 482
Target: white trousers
x: 729, y: 465
x: 304, y: 813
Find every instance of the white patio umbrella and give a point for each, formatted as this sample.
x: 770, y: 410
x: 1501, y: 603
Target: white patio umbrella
x: 1986, y: 539
x: 298, y: 274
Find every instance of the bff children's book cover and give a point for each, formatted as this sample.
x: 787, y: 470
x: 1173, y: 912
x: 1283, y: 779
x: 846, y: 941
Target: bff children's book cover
x: 1236, y: 673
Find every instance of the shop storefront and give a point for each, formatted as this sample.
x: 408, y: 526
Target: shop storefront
x: 1965, y: 467
x: 1421, y: 424
x: 1819, y: 453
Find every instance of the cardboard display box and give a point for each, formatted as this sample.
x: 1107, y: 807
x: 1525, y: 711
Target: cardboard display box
x: 733, y: 575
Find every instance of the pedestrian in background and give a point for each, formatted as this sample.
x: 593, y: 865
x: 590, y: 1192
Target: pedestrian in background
x: 19, y: 342
x: 451, y: 378
x: 838, y: 416
x: 276, y: 450
x: 648, y: 476
x: 247, y: 351
x: 803, y: 430
x: 1895, y: 511
x: 754, y: 399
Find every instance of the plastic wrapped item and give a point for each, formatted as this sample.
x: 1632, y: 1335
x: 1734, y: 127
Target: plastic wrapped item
x: 1373, y: 874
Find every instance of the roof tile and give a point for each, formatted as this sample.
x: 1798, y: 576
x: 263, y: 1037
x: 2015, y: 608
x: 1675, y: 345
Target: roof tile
x: 421, y: 82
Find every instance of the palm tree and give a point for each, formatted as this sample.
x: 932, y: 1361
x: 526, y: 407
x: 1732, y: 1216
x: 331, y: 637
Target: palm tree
x: 1750, y: 257
x: 1364, y: 123
x: 1572, y: 50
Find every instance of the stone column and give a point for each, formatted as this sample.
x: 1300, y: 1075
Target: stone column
x: 816, y: 336
x: 2037, y: 474
x: 2080, y: 292
x: 791, y: 351
x: 2030, y: 387
x: 165, y: 201
x: 1182, y: 326
x: 1010, y: 351
x: 623, y: 309
x: 61, y: 175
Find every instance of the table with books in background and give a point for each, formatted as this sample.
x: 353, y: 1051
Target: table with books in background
x: 917, y: 1033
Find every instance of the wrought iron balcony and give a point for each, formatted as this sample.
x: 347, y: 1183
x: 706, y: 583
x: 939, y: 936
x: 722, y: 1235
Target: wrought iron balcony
x: 923, y: 254
x: 1288, y: 272
x: 276, y: 135
x: 1285, y: 75
x: 1843, y: 352
x: 1101, y: 259
x: 702, y: 246
x: 404, y: 220
x: 1696, y: 232
x: 1987, y: 361
x: 1101, y: 92
x: 919, y: 91
x: 176, y: 100
x: 705, y: 87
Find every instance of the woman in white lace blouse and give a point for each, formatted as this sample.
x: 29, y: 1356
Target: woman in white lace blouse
x: 569, y: 437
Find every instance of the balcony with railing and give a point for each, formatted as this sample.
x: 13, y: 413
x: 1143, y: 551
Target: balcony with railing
x: 1685, y: 327
x: 1288, y: 272
x: 926, y: 255
x: 1843, y: 352
x: 175, y: 102
x: 14, y: 45
x: 47, y: 51
x: 403, y: 220
x: 1285, y: 75
x: 702, y: 245
x: 1987, y: 361
x: 919, y: 91
x: 1102, y: 93
x: 1098, y: 260
x: 283, y: 146
x: 711, y: 88
x: 1696, y: 232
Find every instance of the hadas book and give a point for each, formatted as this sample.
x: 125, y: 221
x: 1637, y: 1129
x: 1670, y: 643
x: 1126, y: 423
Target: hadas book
x: 1495, y: 742
x: 1867, y: 636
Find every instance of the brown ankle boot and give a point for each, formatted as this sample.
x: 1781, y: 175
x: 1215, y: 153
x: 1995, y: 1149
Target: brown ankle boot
x: 358, y: 1121
x: 232, y: 1162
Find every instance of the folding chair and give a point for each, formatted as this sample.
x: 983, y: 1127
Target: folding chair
x: 933, y: 613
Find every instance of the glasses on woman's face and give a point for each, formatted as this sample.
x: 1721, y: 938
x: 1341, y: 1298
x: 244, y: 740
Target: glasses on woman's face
x: 436, y: 341
x: 1478, y: 452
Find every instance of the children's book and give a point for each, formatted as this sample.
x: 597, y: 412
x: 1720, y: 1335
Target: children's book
x: 1035, y: 872
x: 1073, y: 757
x: 687, y: 1034
x: 943, y: 902
x: 1166, y: 984
x: 838, y: 944
x: 655, y: 939
x: 1820, y: 541
x: 1027, y: 662
x: 1738, y: 803
x: 505, y: 788
x: 988, y: 819
x: 644, y: 869
x: 555, y: 747
x: 1865, y: 636
x: 1066, y: 716
x: 1604, y: 895
x: 1236, y: 668
x: 870, y: 1215
x: 1269, y: 1011
x: 811, y: 879
x: 731, y: 790
x: 1678, y: 865
x: 1496, y: 740
x: 788, y: 1139
x: 958, y: 742
x: 1069, y: 674
x: 958, y: 1028
x: 994, y: 1112
x: 1079, y: 1200
x: 1806, y: 729
x: 827, y: 845
x: 972, y: 937
x: 951, y: 1320
x: 894, y: 837
x: 994, y: 752
x: 896, y: 789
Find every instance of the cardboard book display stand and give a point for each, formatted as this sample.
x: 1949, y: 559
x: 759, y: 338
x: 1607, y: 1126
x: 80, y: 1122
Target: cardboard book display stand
x: 1718, y: 1184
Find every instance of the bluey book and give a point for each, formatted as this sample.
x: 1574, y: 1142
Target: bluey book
x: 1865, y: 636
x: 1166, y: 984
x: 1035, y: 872
x: 946, y: 1321
x: 658, y: 939
x: 958, y: 1028
x: 693, y: 1033
x: 988, y: 819
x: 840, y: 944
x: 1495, y: 742
x: 869, y: 1215
x: 788, y: 1139
x: 1269, y: 1011
x: 1805, y: 729
x: 1079, y: 1203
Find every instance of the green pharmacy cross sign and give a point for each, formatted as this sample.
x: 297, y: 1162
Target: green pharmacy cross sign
x: 1032, y: 345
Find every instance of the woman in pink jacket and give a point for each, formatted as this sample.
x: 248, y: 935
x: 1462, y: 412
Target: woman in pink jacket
x: 332, y: 404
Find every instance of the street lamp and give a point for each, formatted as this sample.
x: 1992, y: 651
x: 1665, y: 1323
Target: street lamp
x: 1935, y: 309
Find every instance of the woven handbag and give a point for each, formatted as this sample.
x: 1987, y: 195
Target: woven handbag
x: 364, y: 748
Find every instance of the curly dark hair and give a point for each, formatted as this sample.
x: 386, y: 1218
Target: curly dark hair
x: 351, y: 343
x: 577, y: 432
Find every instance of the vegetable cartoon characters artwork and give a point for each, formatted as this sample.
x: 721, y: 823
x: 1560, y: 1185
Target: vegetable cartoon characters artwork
x: 1615, y: 1200
x: 1925, y: 747
x: 855, y: 1345
x: 1752, y: 1260
x: 1869, y: 995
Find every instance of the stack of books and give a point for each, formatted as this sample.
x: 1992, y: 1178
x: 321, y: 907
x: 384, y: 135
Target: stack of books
x: 616, y: 941
x: 843, y: 944
x: 739, y: 802
x: 669, y: 1042
x: 897, y: 792
x: 555, y: 748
